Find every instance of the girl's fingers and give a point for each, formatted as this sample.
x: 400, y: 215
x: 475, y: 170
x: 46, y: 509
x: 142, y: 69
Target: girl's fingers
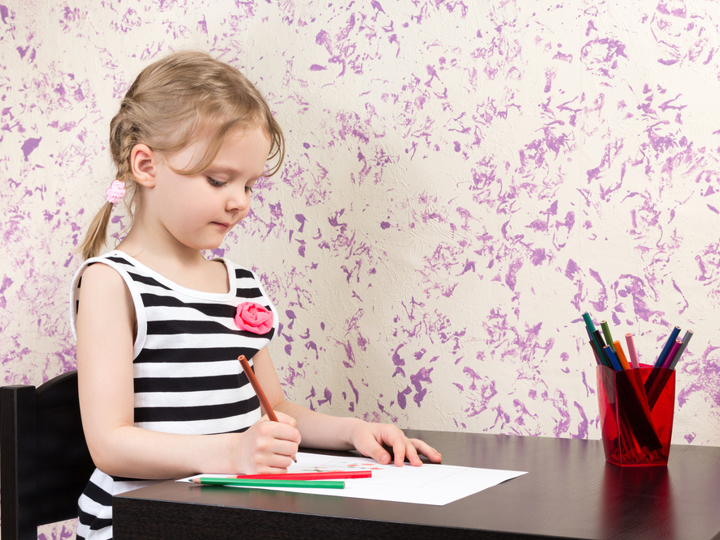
x: 279, y: 462
x: 374, y: 440
x: 412, y: 455
x: 285, y: 419
x: 369, y: 445
x: 426, y: 450
x: 399, y: 449
x: 280, y: 430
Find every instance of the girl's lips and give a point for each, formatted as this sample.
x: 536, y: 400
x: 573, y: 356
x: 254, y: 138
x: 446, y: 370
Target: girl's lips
x: 222, y: 225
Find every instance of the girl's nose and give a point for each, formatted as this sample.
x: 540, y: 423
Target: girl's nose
x: 239, y: 199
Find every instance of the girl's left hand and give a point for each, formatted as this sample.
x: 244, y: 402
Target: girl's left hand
x: 368, y: 439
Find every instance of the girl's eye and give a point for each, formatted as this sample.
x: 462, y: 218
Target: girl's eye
x: 215, y: 183
x: 248, y: 189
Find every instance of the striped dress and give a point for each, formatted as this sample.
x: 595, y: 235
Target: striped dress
x: 187, y: 378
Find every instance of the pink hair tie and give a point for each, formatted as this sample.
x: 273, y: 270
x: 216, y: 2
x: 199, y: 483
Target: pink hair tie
x: 115, y: 193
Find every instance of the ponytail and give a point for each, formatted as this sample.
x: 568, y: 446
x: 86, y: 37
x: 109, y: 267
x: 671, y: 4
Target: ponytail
x: 97, y: 233
x: 122, y: 141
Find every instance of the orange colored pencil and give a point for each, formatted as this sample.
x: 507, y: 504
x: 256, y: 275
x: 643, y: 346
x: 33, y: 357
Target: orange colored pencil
x: 621, y: 355
x: 258, y: 390
x: 256, y: 386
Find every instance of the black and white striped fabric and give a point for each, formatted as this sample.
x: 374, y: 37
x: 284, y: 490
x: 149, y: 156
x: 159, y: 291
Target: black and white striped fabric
x: 187, y: 377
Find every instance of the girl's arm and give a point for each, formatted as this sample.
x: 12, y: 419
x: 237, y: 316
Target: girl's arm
x: 336, y: 433
x: 105, y: 330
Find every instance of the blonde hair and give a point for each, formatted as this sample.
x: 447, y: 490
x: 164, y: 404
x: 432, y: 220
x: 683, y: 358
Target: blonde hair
x: 171, y: 102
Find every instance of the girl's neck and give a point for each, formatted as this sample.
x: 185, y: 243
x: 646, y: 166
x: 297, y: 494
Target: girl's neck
x: 144, y: 245
x: 180, y: 264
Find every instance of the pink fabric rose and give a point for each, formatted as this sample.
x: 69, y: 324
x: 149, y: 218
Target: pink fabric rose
x: 254, y: 318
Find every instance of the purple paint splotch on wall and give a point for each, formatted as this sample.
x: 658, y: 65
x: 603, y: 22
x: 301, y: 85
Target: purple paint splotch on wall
x: 29, y: 145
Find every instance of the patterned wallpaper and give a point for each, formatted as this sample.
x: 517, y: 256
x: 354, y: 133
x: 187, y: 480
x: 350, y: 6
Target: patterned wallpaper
x: 463, y: 180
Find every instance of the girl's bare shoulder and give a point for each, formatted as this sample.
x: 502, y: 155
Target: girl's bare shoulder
x: 101, y: 282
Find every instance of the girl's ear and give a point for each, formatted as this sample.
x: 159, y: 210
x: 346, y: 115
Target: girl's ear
x: 143, y: 162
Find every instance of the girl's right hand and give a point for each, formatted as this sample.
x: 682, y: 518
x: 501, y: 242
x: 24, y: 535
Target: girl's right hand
x: 268, y: 447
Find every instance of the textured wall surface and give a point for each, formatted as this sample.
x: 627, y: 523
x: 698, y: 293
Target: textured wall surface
x: 463, y: 180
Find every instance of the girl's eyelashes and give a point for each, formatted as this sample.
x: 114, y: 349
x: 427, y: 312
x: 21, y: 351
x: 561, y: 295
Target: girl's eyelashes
x: 219, y: 183
x: 215, y: 183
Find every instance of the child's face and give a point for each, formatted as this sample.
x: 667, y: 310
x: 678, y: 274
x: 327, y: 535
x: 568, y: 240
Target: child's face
x: 199, y: 210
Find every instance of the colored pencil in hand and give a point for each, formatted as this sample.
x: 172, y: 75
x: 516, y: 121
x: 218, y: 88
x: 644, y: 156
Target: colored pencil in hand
x: 258, y: 390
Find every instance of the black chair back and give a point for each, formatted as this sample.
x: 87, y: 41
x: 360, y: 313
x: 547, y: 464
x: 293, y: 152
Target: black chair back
x: 45, y: 462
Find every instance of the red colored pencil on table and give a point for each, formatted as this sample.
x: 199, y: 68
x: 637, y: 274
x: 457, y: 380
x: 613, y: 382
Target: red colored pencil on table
x: 330, y: 475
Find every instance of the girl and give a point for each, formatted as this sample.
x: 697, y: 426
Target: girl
x: 159, y: 327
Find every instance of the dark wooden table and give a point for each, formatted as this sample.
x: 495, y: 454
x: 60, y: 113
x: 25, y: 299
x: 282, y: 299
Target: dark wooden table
x: 570, y: 492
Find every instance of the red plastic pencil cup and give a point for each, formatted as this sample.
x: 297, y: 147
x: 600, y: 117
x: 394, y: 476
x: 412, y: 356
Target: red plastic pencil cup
x: 636, y: 413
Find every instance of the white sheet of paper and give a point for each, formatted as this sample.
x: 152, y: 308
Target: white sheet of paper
x: 430, y: 484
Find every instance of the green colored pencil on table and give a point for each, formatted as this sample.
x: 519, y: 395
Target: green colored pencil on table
x: 239, y: 482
